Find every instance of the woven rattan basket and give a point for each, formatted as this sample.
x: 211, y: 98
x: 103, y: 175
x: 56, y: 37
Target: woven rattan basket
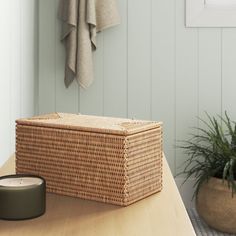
x: 111, y: 160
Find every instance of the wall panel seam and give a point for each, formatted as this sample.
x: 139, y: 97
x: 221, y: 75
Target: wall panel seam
x: 10, y: 84
x: 127, y: 56
x: 103, y: 73
x: 21, y: 27
x: 221, y: 61
x: 151, y: 69
x: 36, y: 88
x: 175, y: 87
x: 198, y: 76
x: 55, y: 57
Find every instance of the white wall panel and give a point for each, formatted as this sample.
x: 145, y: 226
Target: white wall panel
x: 229, y: 72
x: 163, y: 72
x: 28, y: 52
x: 16, y: 78
x: 47, y: 56
x: 18, y: 64
x: 5, y: 68
x: 210, y: 71
x: 115, y: 66
x: 139, y: 59
x: 186, y: 80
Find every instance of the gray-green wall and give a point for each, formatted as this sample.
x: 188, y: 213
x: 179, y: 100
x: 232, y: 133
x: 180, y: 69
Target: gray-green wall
x: 149, y: 67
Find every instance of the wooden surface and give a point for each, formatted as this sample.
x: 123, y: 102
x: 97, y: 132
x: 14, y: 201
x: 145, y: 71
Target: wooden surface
x: 162, y: 214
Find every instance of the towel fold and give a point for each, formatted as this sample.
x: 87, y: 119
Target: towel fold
x: 81, y: 20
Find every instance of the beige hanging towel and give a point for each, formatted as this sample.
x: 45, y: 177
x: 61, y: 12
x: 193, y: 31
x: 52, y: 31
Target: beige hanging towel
x: 81, y: 20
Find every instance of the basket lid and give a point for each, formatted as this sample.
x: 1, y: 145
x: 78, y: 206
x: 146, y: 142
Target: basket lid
x: 97, y: 124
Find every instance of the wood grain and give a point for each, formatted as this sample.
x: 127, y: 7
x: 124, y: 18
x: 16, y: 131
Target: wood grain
x: 161, y: 214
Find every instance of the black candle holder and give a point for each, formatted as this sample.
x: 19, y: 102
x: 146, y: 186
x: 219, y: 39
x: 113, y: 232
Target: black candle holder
x: 23, y: 201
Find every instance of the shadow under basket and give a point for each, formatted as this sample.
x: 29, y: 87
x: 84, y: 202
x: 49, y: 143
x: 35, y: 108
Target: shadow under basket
x: 110, y: 160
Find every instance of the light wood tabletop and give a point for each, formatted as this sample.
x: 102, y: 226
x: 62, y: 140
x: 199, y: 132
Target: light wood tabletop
x: 162, y: 214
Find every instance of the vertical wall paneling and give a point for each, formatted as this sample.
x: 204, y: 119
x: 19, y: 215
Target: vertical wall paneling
x: 70, y: 99
x: 229, y: 72
x: 36, y: 58
x: 5, y: 69
x: 91, y: 99
x: 15, y: 77
x: 18, y: 68
x: 47, y: 62
x: 115, y: 66
x: 27, y: 56
x: 209, y: 72
x: 163, y: 71
x: 139, y: 59
x: 186, y: 79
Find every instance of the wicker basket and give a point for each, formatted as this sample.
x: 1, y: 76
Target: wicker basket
x: 111, y: 160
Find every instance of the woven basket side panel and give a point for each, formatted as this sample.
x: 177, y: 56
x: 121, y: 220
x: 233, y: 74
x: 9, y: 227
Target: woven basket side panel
x: 81, y: 164
x: 103, y: 167
x: 144, y: 164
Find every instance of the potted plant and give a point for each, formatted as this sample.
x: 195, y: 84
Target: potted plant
x: 212, y: 162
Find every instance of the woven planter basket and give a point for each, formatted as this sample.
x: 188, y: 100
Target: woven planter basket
x: 111, y: 160
x: 216, y: 205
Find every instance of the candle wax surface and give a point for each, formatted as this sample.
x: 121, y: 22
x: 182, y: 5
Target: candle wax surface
x: 20, y: 181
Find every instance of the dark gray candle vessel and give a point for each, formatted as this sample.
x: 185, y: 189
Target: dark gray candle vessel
x: 22, y: 197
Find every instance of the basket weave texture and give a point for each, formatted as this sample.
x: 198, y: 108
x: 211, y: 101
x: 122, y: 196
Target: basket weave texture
x: 110, y: 160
